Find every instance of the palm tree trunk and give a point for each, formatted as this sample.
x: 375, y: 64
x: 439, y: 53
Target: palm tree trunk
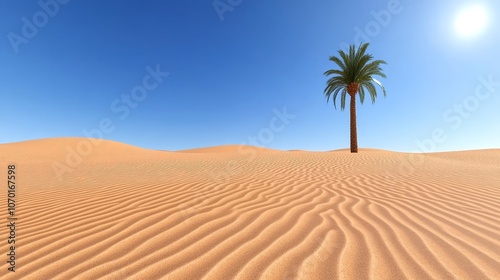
x: 354, y: 133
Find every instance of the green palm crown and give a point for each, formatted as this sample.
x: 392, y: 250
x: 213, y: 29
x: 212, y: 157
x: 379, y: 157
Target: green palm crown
x: 355, y: 75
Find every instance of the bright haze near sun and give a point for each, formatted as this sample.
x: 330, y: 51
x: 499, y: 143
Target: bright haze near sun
x: 471, y: 20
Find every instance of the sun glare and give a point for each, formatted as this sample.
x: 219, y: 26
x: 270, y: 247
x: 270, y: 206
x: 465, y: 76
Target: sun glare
x: 471, y: 21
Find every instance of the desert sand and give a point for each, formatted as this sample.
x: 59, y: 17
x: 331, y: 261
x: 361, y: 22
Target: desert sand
x: 238, y: 212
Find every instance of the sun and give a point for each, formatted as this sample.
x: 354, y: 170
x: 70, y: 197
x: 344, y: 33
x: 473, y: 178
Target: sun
x: 471, y: 21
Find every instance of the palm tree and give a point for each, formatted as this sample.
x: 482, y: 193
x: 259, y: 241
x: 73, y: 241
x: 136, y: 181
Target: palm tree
x: 355, y: 76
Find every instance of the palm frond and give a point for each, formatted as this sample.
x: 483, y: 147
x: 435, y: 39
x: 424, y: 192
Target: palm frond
x: 361, y: 94
x: 342, y: 99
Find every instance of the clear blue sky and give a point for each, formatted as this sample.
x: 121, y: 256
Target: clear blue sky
x: 229, y: 70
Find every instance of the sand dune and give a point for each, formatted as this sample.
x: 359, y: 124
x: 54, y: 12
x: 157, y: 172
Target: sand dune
x: 124, y: 212
x: 228, y: 149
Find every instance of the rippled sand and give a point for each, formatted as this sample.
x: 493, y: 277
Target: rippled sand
x: 238, y: 212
